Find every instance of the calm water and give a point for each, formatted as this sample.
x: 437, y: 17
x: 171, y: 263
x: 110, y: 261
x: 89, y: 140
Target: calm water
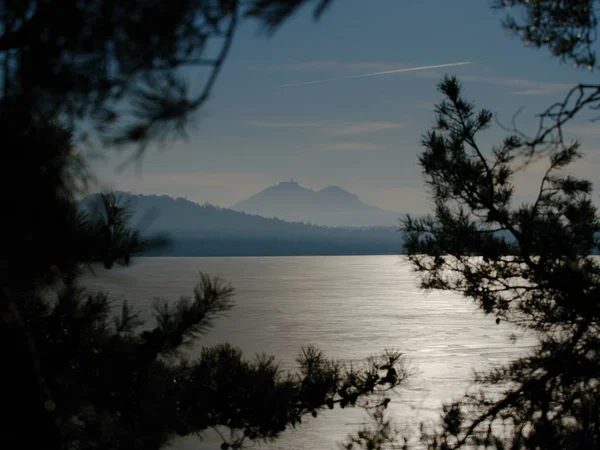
x: 351, y: 307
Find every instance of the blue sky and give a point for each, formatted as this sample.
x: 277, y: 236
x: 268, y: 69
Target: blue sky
x: 361, y: 134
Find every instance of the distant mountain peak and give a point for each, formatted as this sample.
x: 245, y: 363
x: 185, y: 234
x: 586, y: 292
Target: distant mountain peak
x: 337, y: 191
x: 287, y: 185
x: 334, y: 189
x: 330, y: 206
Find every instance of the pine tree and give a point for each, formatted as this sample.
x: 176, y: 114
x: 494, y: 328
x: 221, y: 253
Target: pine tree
x: 80, y: 371
x: 527, y: 264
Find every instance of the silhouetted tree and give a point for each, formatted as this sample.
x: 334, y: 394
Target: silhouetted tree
x: 117, y: 64
x: 80, y: 380
x: 76, y: 375
x: 569, y: 30
x: 527, y: 264
x: 46, y: 240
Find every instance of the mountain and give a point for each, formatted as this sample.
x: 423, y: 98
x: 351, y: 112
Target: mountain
x: 331, y: 206
x: 206, y: 230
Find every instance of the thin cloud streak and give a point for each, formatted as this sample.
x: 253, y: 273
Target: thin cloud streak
x: 351, y: 146
x: 364, y: 127
x: 519, y: 86
x: 334, y: 129
x: 590, y: 130
x: 269, y: 124
x: 331, y: 65
x: 373, y: 74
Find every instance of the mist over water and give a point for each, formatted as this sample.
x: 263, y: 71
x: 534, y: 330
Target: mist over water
x: 349, y: 306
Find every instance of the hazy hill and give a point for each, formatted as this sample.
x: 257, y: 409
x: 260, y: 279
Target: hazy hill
x: 331, y: 206
x: 206, y: 230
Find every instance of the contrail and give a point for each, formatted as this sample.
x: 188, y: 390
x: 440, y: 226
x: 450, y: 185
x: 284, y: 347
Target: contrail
x: 412, y: 69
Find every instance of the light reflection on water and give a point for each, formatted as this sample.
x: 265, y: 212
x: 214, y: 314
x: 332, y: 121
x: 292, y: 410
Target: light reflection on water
x: 349, y: 306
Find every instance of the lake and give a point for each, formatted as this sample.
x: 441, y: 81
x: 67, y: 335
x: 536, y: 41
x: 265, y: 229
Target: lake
x: 349, y: 306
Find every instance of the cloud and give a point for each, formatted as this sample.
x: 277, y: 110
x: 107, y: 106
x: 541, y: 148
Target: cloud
x: 379, y: 73
x: 591, y: 130
x: 588, y: 165
x: 203, y: 179
x: 518, y: 86
x: 327, y: 66
x: 337, y: 129
x: 331, y: 128
x: 219, y: 188
x: 364, y: 127
x: 527, y: 181
x: 405, y: 200
x: 351, y: 146
x: 529, y: 87
x: 270, y: 124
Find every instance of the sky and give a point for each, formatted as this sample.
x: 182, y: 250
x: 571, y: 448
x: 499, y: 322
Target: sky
x: 360, y: 133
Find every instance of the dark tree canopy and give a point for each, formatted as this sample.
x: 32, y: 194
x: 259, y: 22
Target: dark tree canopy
x: 527, y: 264
x: 566, y: 28
x: 114, y: 384
x: 119, y: 63
x: 84, y: 376
x: 82, y: 373
x: 81, y: 376
x: 569, y: 29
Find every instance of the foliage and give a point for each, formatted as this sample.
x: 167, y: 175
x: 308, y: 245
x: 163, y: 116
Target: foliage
x: 78, y: 377
x: 116, y: 385
x: 46, y: 243
x: 569, y: 30
x: 379, y: 434
x: 118, y: 63
x: 50, y: 173
x: 525, y: 264
x: 91, y: 380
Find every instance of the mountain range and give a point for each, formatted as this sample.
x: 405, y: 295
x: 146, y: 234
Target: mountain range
x: 330, y: 206
x: 207, y: 230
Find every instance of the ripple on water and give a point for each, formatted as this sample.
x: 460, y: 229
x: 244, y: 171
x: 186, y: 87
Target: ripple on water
x: 351, y: 307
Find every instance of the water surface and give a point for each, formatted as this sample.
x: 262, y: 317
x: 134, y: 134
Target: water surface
x: 349, y: 306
